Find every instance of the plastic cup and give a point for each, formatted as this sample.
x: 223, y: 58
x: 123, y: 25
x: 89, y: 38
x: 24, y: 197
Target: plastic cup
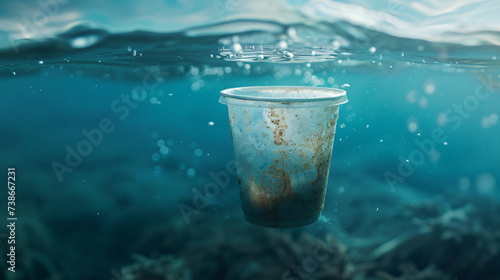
x: 283, y: 140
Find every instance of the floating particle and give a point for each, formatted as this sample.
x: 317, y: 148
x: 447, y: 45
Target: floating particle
x: 236, y: 48
x: 412, y: 125
x: 441, y: 119
x: 282, y: 44
x: 373, y: 49
x: 155, y: 157
x: 445, y: 143
x: 160, y: 142
x: 342, y: 125
x: 211, y: 123
x: 410, y: 96
x: 429, y: 87
x: 170, y: 141
x: 194, y: 71
x: 493, y: 119
x: 336, y: 44
x: 157, y: 169
x: 331, y: 80
x: 40, y: 62
x: 198, y: 152
x: 345, y: 85
x: 288, y: 54
x: 191, y: 172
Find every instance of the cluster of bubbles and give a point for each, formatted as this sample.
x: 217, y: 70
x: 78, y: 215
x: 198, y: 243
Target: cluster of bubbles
x: 164, y: 149
x: 489, y: 121
x: 484, y: 183
x: 419, y: 97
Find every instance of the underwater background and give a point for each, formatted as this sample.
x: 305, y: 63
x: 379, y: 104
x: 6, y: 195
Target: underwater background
x: 110, y: 116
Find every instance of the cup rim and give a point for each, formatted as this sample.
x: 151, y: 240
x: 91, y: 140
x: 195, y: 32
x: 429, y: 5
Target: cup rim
x: 328, y: 94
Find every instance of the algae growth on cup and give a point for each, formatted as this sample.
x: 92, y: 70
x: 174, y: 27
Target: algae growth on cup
x: 283, y: 139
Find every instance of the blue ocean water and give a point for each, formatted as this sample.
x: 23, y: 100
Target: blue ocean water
x: 110, y: 117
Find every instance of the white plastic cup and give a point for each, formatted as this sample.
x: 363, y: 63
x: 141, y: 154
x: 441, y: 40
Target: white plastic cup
x: 283, y: 139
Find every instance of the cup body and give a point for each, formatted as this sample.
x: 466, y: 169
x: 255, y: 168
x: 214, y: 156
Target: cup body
x: 283, y: 139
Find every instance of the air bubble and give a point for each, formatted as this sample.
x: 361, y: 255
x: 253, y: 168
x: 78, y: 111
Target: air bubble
x: 191, y: 172
x: 412, y: 126
x: 429, y: 87
x: 336, y: 44
x: 155, y: 157
x: 441, y: 119
x: 164, y: 150
x: 282, y: 44
x: 236, y: 48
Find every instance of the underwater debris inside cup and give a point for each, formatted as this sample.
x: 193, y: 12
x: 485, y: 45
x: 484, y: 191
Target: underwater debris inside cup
x: 283, y: 151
